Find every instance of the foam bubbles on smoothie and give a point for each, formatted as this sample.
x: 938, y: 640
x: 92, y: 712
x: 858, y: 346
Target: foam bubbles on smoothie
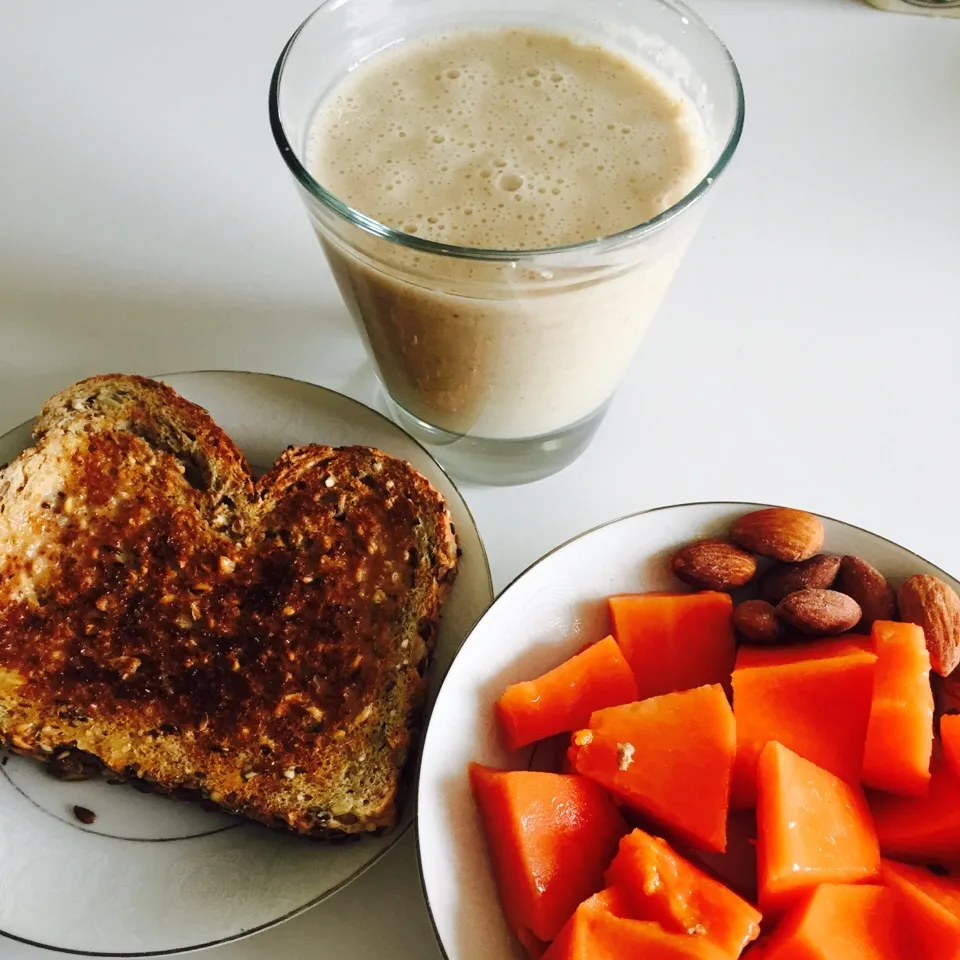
x: 505, y: 139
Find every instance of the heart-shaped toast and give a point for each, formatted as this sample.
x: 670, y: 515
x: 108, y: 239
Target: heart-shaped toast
x: 257, y: 644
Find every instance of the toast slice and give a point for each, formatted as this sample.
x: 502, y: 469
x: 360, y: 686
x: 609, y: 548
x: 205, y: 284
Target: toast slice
x: 260, y: 645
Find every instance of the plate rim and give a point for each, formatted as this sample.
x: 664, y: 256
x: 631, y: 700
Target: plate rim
x: 398, y: 834
x: 662, y: 508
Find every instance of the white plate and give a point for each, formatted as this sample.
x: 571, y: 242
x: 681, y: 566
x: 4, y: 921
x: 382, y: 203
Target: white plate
x: 545, y: 616
x: 151, y: 876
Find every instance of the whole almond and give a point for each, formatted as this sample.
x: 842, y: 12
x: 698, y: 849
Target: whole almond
x: 782, y: 579
x: 935, y: 606
x: 869, y: 587
x: 820, y: 612
x: 713, y: 565
x: 779, y: 533
x: 757, y: 621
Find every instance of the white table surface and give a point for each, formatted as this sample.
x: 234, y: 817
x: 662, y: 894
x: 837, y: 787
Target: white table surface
x: 808, y: 352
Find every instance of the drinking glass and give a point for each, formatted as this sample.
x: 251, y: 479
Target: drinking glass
x: 503, y: 362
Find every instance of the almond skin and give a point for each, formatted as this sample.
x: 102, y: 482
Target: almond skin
x: 869, y: 587
x: 757, y: 621
x: 817, y: 573
x: 713, y: 565
x: 820, y: 612
x: 934, y: 605
x: 779, y: 533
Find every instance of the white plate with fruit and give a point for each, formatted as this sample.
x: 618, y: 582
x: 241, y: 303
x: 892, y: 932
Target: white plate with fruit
x: 698, y: 732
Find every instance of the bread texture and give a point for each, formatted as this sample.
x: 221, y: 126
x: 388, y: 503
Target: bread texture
x: 258, y: 645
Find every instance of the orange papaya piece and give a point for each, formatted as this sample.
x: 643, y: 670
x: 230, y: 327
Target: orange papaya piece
x: 594, y: 933
x: 840, y: 922
x: 663, y: 887
x: 812, y: 828
x: 944, y: 887
x: 574, y: 940
x: 934, y: 927
x: 550, y: 836
x: 675, y: 641
x: 563, y: 699
x: 896, y: 758
x: 924, y: 829
x: 668, y: 758
x: 614, y: 900
x: 950, y: 739
x: 813, y: 698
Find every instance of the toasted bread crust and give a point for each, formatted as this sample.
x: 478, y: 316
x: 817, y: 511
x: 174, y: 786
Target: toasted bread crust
x: 261, y: 645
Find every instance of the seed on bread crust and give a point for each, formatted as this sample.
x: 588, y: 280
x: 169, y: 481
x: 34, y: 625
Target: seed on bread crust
x: 817, y: 573
x: 713, y: 565
x: 820, y: 612
x: 779, y: 533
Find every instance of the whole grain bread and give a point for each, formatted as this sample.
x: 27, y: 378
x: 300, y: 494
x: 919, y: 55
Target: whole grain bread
x: 260, y: 645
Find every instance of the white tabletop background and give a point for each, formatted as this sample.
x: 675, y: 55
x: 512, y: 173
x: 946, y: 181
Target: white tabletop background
x: 808, y: 352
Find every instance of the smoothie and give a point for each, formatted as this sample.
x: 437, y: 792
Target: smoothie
x: 509, y: 140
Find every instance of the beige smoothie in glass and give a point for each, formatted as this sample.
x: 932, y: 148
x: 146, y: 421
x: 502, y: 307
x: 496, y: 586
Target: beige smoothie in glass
x: 493, y: 179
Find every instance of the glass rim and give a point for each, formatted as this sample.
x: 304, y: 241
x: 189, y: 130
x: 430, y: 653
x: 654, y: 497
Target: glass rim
x: 412, y: 242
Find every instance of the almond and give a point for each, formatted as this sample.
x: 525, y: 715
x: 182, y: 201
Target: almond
x: 935, y: 606
x: 820, y: 612
x: 782, y: 579
x: 779, y: 533
x: 713, y: 565
x: 869, y: 587
x: 757, y: 621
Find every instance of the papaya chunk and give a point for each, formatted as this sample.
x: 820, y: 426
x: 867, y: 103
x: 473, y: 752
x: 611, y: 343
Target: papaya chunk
x: 594, y: 933
x: 573, y: 941
x: 668, y: 758
x: 812, y: 828
x: 930, y: 909
x: 924, y: 829
x: 614, y: 901
x: 663, y: 887
x: 550, y: 836
x: 840, y: 922
x: 899, y: 743
x: 944, y: 889
x: 563, y: 699
x: 813, y: 698
x: 675, y: 641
